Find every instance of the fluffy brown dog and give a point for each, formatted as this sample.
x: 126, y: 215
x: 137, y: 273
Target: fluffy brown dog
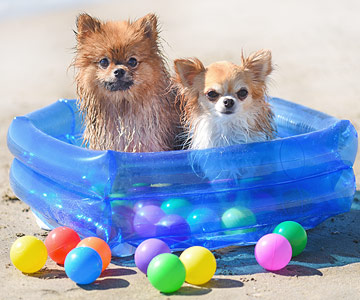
x: 123, y: 86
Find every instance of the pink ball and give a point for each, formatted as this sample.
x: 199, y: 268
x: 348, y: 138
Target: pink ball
x: 273, y: 252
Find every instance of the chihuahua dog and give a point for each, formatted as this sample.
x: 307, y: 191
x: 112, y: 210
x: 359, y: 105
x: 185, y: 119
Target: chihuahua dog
x: 224, y: 104
x: 123, y: 86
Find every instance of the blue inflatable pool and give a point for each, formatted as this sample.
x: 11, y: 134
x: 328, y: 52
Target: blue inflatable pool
x: 214, y: 198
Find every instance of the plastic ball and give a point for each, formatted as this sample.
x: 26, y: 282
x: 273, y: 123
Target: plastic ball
x: 236, y: 217
x: 60, y: 242
x: 179, y: 206
x: 145, y: 220
x: 273, y: 252
x: 83, y: 265
x: 28, y: 254
x: 146, y: 202
x: 200, y: 265
x: 295, y: 234
x: 147, y: 250
x: 174, y: 226
x: 100, y: 246
x: 166, y: 273
x: 203, y: 220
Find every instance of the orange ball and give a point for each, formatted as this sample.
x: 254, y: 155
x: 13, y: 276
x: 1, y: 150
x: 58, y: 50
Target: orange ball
x: 100, y: 246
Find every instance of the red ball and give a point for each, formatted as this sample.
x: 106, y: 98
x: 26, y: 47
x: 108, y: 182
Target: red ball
x: 60, y: 242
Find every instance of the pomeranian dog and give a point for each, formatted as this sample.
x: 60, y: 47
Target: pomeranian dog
x: 224, y: 104
x: 123, y: 86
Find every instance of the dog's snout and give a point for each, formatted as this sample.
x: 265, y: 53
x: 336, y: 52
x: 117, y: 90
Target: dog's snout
x: 119, y: 73
x: 229, y: 102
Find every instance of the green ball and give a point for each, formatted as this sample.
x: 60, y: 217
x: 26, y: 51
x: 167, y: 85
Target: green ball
x: 166, y: 273
x: 238, y: 217
x: 295, y: 234
x: 177, y: 206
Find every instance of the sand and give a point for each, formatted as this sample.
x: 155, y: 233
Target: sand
x: 315, y: 46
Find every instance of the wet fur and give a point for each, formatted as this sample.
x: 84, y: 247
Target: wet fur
x: 142, y: 118
x: 205, y: 128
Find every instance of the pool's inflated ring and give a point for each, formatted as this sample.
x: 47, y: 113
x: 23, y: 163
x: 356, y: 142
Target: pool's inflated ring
x: 214, y: 198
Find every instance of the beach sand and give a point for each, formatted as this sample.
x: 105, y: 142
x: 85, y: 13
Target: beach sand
x: 316, y: 50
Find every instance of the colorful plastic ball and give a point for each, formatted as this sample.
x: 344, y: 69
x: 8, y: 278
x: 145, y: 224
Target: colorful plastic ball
x: 179, y: 206
x: 28, y: 254
x: 174, y: 226
x: 295, y: 234
x: 273, y: 252
x: 166, y: 273
x: 60, y: 242
x: 203, y: 220
x: 237, y: 217
x: 145, y: 220
x: 147, y: 250
x: 146, y: 202
x: 83, y: 265
x: 100, y: 246
x: 200, y: 265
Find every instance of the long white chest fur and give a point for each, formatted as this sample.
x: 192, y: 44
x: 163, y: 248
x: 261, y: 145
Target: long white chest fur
x: 208, y: 131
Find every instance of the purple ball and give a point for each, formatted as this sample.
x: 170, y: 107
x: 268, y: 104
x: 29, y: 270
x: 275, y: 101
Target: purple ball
x: 147, y: 202
x: 145, y: 220
x: 173, y: 226
x: 147, y: 250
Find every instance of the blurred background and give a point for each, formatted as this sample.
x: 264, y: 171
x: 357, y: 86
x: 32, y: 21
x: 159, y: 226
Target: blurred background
x: 315, y: 47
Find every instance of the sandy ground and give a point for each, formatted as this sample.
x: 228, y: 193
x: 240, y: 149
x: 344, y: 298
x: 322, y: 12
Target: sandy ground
x: 315, y: 47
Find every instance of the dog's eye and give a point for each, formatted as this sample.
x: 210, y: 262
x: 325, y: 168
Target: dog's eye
x: 242, y: 94
x: 104, y: 63
x: 132, y: 62
x: 212, y: 95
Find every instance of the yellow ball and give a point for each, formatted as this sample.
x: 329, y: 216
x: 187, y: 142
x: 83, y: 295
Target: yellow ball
x: 200, y: 265
x: 28, y: 254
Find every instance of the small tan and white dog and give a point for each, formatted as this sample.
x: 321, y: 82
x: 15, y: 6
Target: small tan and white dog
x: 224, y: 104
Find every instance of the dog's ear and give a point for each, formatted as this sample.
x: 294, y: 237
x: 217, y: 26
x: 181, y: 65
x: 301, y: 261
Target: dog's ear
x: 187, y: 69
x: 148, y: 25
x: 259, y: 64
x: 87, y: 24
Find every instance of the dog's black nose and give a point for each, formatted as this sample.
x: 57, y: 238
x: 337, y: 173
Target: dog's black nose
x: 229, y: 102
x: 119, y: 73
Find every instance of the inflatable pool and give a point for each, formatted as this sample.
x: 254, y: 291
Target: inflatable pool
x: 213, y: 198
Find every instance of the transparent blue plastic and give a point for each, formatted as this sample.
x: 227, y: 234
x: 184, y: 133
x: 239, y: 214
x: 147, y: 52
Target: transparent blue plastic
x: 213, y: 198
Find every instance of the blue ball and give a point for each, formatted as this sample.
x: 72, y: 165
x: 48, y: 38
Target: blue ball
x: 203, y: 219
x: 83, y: 265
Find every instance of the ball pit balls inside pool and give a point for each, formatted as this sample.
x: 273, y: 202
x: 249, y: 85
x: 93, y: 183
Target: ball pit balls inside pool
x: 273, y: 252
x: 60, y: 242
x: 147, y: 250
x: 203, y: 220
x: 236, y: 217
x: 100, y: 246
x: 145, y: 220
x: 166, y: 273
x: 28, y: 254
x: 200, y: 265
x: 178, y: 206
x: 295, y: 234
x: 83, y: 265
x: 174, y: 226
